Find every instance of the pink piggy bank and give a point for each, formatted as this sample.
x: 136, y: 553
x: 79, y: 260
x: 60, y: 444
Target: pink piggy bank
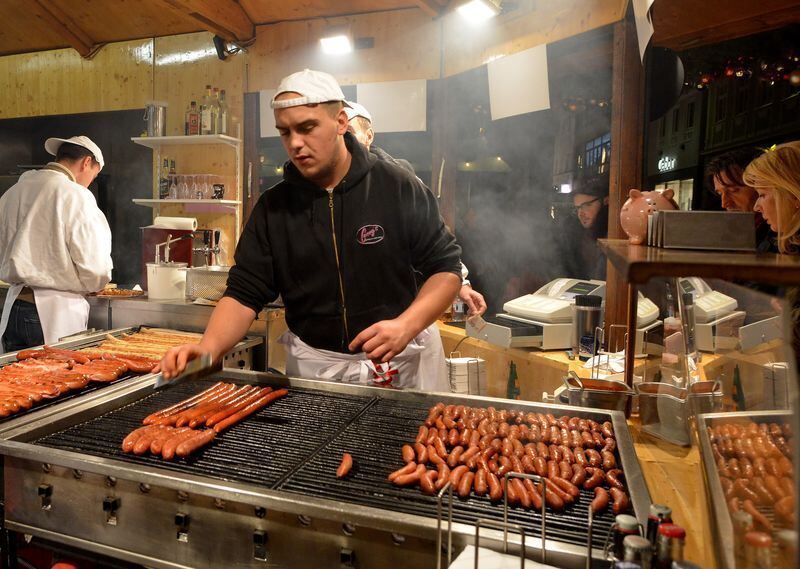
x: 633, y: 216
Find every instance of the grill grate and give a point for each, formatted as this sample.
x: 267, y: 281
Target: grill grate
x: 375, y: 438
x: 260, y: 450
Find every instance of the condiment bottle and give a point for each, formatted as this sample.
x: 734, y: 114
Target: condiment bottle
x: 742, y: 523
x: 669, y: 546
x: 624, y: 526
x: 658, y: 514
x: 758, y: 550
x: 639, y: 550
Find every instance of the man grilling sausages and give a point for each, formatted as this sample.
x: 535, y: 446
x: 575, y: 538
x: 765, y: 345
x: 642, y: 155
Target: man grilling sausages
x: 339, y: 239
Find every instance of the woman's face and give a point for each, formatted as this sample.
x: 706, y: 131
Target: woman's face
x: 765, y: 204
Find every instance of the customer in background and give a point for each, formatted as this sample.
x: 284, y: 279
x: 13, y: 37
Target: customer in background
x: 725, y: 172
x: 775, y: 178
x: 591, y: 207
x: 360, y: 125
x: 55, y: 246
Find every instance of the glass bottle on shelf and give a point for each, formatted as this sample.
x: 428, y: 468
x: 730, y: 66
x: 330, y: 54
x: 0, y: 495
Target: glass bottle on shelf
x: 163, y: 180
x: 216, y: 107
x: 192, y: 119
x: 208, y: 113
x: 222, y: 119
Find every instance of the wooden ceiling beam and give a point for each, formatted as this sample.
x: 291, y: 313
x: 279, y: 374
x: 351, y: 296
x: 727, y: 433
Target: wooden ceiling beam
x: 64, y: 26
x: 225, y: 18
x: 430, y: 7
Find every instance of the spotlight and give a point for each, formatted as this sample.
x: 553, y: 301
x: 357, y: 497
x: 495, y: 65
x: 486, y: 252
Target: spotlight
x: 478, y: 11
x: 336, y: 42
x: 224, y: 48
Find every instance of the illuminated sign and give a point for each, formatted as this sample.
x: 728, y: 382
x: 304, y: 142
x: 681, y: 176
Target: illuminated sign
x: 666, y: 163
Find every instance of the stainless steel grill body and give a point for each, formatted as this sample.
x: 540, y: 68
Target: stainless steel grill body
x: 265, y: 492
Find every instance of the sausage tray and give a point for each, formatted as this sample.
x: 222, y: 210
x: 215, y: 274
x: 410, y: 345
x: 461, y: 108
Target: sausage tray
x: 266, y: 489
x: 722, y: 526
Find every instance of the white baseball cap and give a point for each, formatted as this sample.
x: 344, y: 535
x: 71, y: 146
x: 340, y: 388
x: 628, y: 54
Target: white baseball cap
x: 53, y: 144
x: 312, y: 86
x: 354, y: 110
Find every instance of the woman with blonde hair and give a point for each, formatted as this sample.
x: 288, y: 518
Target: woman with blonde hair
x: 775, y: 175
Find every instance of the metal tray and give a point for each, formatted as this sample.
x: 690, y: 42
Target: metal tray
x: 722, y: 527
x: 22, y: 456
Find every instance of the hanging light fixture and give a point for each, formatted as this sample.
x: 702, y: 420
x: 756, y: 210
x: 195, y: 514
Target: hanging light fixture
x: 479, y: 11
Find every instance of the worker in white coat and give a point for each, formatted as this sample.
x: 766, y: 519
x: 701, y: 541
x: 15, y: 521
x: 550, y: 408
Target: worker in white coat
x: 55, y: 246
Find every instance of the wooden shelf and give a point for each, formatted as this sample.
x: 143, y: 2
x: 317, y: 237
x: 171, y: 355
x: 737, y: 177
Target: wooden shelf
x: 638, y: 264
x: 159, y: 141
x: 200, y: 206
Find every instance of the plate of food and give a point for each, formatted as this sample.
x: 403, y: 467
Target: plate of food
x: 114, y: 292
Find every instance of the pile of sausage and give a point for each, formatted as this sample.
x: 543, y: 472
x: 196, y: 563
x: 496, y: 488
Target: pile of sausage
x: 193, y: 423
x: 473, y: 449
x: 754, y: 462
x: 50, y: 372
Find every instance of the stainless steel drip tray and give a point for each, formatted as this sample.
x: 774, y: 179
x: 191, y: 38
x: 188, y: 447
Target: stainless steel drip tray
x: 187, y: 514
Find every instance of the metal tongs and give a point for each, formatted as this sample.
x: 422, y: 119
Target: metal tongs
x: 195, y: 369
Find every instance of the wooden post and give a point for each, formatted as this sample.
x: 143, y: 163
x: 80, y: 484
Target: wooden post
x: 627, y: 148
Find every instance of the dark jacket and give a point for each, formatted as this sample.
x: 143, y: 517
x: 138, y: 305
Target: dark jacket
x: 386, y: 157
x: 387, y: 225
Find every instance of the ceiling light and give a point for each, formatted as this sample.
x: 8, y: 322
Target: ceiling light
x: 478, y: 11
x: 337, y: 44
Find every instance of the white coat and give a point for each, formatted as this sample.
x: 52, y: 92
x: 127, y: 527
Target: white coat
x: 55, y: 240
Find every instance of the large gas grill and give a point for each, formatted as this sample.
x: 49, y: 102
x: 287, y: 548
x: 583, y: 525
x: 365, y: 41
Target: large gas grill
x: 266, y: 489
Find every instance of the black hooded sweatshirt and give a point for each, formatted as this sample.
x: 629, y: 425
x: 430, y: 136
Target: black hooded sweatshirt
x: 381, y: 222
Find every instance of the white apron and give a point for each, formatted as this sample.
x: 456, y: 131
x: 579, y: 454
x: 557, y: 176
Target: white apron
x: 419, y: 366
x: 61, y: 313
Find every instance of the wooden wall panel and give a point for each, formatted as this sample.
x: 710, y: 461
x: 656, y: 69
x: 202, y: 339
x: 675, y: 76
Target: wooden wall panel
x: 547, y: 22
x: 406, y: 47
x: 61, y: 82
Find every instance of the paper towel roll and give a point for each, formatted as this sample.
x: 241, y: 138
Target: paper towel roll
x: 189, y: 223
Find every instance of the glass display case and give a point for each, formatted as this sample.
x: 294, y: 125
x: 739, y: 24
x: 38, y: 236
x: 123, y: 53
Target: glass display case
x: 718, y: 385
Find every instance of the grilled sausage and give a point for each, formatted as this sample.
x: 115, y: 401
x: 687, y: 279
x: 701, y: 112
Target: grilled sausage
x: 552, y: 469
x: 456, y: 474
x: 129, y: 441
x: 411, y: 479
x: 157, y: 445
x: 495, y: 488
x: 480, y: 484
x: 540, y: 466
x: 552, y: 499
x: 170, y: 447
x: 784, y: 509
x: 504, y: 466
x: 434, y: 456
x: 422, y: 434
x: 422, y: 453
x: 409, y: 455
x: 455, y: 455
x: 600, y: 501
x: 465, y: 484
x: 407, y: 469
x: 565, y: 470
x: 433, y: 414
x: 427, y: 482
x: 620, y: 499
x: 250, y: 409
x: 521, y: 492
x: 567, y: 487
x: 344, y: 466
x: 566, y: 497
x: 596, y: 478
x: 578, y: 475
x: 593, y: 457
x: 609, y: 461
x: 607, y: 429
x: 613, y: 479
x: 764, y: 496
x: 580, y: 457
x: 758, y: 517
x: 533, y: 493
x: 442, y: 476
x: 610, y: 445
x: 468, y: 454
x: 742, y: 489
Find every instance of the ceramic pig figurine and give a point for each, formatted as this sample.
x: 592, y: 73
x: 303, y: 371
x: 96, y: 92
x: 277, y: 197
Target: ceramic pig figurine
x: 633, y: 216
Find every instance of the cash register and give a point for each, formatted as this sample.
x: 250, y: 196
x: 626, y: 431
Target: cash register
x: 717, y: 320
x: 544, y: 319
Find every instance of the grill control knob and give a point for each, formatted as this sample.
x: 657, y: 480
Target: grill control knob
x: 182, y: 521
x: 347, y: 558
x: 260, y: 539
x: 45, y: 492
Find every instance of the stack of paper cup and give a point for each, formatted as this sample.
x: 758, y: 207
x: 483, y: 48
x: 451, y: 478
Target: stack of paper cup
x: 467, y: 375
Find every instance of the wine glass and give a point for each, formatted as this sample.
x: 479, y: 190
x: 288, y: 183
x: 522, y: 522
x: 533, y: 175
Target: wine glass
x: 183, y: 188
x: 173, y: 188
x: 195, y: 192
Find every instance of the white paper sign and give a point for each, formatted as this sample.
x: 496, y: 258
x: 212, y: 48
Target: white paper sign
x: 644, y: 24
x: 395, y: 106
x: 267, y: 119
x: 518, y: 83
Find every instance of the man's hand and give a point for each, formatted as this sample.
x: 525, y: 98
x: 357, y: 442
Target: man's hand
x: 175, y: 360
x: 473, y: 299
x: 383, y: 340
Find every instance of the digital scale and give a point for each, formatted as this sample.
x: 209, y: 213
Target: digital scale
x: 543, y: 319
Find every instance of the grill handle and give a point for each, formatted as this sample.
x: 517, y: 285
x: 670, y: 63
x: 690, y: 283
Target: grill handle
x: 499, y: 525
x: 535, y: 478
